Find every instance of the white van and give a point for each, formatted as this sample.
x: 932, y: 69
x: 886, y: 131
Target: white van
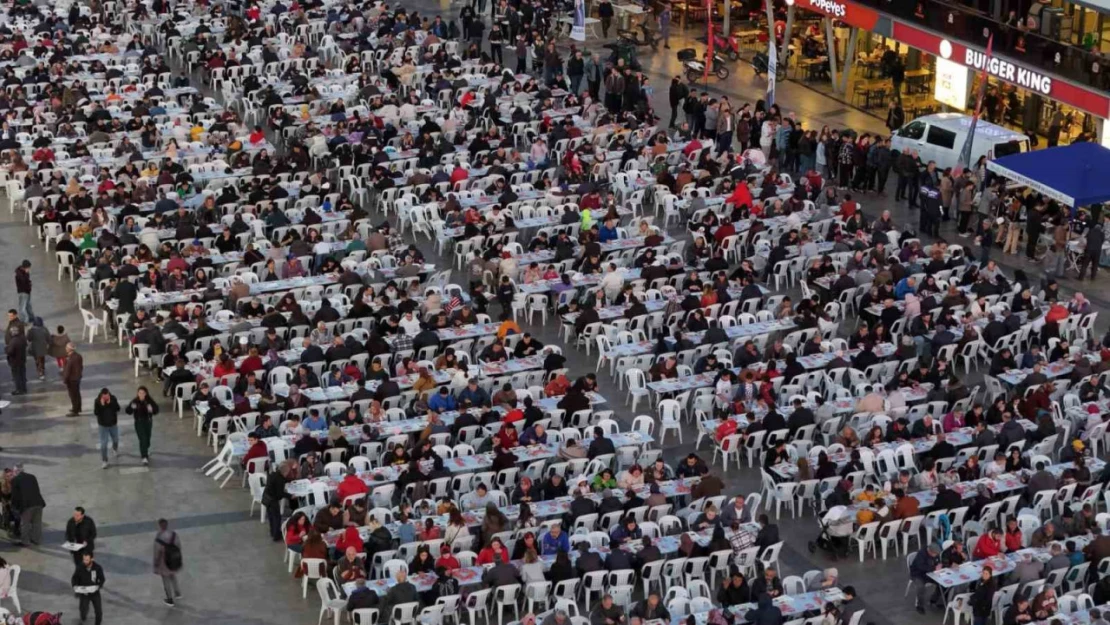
x: 941, y: 137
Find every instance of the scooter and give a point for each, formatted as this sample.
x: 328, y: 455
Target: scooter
x: 759, y: 64
x: 729, y: 46
x: 650, y: 37
x: 695, y: 68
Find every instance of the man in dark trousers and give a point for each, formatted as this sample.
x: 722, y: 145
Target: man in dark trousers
x: 28, y: 501
x: 1092, y: 253
x: 81, y: 529
x: 23, y: 291
x: 271, y: 498
x: 678, y: 93
x: 16, y: 350
x: 71, y: 376
x: 87, y: 580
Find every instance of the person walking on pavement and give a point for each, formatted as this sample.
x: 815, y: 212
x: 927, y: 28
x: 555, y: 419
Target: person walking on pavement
x: 71, y: 375
x: 28, y: 502
x: 38, y: 340
x: 23, y: 291
x: 80, y: 529
x: 1092, y: 252
x: 679, y: 91
x: 106, y: 408
x: 16, y: 350
x: 895, y: 116
x: 167, y: 560
x: 88, y: 579
x: 143, y: 409
x: 665, y: 25
x: 605, y: 12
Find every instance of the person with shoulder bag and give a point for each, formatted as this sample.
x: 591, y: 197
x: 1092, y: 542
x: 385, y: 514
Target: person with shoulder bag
x: 167, y: 560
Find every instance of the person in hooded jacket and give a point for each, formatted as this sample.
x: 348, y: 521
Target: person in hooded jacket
x: 765, y: 612
x: 106, y: 408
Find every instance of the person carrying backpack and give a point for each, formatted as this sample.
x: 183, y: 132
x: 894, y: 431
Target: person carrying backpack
x: 167, y: 560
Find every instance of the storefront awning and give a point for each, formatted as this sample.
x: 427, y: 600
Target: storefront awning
x: 1075, y: 174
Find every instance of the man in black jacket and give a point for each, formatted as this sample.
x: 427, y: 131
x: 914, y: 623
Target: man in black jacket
x: 402, y: 592
x: 678, y: 93
x: 89, y: 577
x: 600, y: 445
x: 16, y: 351
x: 361, y: 597
x: 81, y: 529
x: 28, y: 502
x: 271, y: 500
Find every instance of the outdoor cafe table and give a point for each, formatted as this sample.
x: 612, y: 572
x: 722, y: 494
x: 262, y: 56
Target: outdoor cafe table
x: 580, y: 280
x: 789, y: 605
x: 1052, y: 370
x: 470, y: 331
x: 1001, y: 564
x: 512, y: 365
x: 961, y: 437
x: 820, y: 361
x: 1003, y: 483
x: 475, y: 463
x: 473, y: 574
x: 550, y: 509
x: 748, y: 329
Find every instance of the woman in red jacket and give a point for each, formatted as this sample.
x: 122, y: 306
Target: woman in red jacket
x: 447, y: 559
x: 495, y: 550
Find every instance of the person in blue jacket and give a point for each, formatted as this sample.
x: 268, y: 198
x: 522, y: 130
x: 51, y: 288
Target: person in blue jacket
x: 555, y: 540
x: 607, y: 232
x: 477, y: 396
x: 442, y: 401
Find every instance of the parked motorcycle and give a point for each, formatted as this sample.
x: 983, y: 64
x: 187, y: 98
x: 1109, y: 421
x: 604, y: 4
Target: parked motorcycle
x: 759, y: 64
x: 649, y: 38
x: 729, y: 46
x: 695, y: 68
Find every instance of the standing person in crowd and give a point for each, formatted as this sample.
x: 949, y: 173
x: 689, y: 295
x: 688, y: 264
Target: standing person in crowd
x: 678, y: 92
x: 1092, y: 251
x: 594, y: 70
x: 71, y: 374
x: 28, y: 502
x: 81, y: 530
x: 274, y: 493
x: 605, y: 12
x: 576, y: 69
x: 167, y: 560
x: 106, y: 408
x: 38, y: 343
x: 23, y: 291
x: 143, y: 409
x: 87, y: 581
x: 16, y: 351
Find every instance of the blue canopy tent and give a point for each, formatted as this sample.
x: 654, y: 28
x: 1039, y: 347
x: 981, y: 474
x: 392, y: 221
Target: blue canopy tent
x: 1076, y: 175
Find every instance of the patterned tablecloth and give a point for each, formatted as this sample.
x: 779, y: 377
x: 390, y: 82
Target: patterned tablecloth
x: 791, y: 606
x: 463, y: 464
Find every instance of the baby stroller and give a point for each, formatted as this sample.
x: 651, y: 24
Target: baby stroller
x: 836, y: 527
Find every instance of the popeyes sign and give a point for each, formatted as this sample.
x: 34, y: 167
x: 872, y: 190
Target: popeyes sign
x: 845, y: 11
x: 1089, y: 100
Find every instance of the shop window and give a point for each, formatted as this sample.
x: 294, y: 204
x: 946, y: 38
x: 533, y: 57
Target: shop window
x: 915, y: 130
x: 941, y: 137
